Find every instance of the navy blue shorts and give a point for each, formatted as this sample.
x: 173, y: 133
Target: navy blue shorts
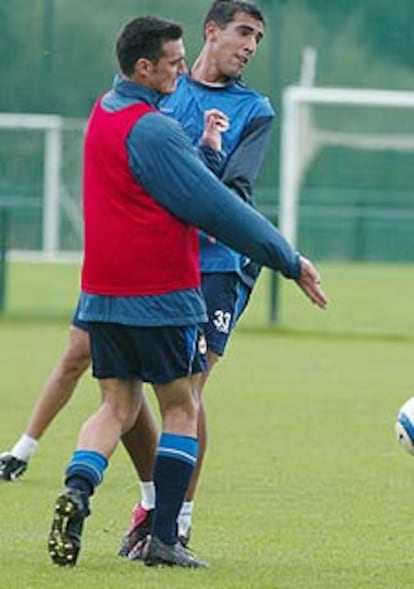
x: 226, y: 298
x: 151, y: 354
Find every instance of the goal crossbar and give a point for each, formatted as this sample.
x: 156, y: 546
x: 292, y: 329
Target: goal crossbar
x: 301, y: 141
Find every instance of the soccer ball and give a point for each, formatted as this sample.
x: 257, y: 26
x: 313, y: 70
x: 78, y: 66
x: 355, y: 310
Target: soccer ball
x: 404, y: 426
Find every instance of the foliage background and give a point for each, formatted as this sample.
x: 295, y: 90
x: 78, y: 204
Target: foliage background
x: 57, y: 56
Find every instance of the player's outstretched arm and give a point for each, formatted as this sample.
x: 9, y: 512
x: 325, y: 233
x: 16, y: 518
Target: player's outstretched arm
x: 310, y: 282
x: 165, y: 163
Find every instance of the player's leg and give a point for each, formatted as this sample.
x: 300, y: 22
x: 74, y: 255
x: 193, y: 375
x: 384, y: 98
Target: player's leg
x: 185, y: 516
x: 143, y: 456
x: 212, y: 359
x: 97, y: 441
x: 141, y: 441
x: 141, y: 444
x: 117, y: 367
x: 61, y: 382
x: 175, y: 460
x: 172, y: 354
x: 56, y: 392
x: 226, y: 298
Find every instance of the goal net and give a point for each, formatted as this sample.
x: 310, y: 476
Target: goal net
x: 346, y: 181
x: 347, y: 173
x: 40, y: 183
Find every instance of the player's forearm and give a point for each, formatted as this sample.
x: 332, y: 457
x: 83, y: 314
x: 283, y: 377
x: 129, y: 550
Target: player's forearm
x: 243, y: 166
x: 212, y: 158
x: 242, y: 228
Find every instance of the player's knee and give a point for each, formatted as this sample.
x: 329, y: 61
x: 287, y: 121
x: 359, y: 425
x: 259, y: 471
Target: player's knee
x: 126, y: 416
x: 75, y: 362
x: 184, y: 411
x: 77, y: 356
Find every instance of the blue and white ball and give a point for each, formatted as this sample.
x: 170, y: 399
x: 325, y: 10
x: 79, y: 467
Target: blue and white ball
x: 404, y: 426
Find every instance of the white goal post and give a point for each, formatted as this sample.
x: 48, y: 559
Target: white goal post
x: 57, y: 132
x: 52, y: 127
x: 301, y: 140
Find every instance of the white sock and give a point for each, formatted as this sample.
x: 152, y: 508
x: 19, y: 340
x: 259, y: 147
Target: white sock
x: 184, y: 518
x: 24, y: 448
x: 147, y: 489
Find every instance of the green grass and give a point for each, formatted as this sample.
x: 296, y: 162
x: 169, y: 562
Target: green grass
x: 305, y: 486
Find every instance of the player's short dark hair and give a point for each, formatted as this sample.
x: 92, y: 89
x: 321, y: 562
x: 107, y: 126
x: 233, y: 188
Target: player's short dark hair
x: 222, y: 11
x: 144, y: 37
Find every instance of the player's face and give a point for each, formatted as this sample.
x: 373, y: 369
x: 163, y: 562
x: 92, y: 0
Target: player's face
x: 235, y: 45
x: 163, y: 75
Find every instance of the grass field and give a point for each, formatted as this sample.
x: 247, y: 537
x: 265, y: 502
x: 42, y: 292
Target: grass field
x: 305, y: 486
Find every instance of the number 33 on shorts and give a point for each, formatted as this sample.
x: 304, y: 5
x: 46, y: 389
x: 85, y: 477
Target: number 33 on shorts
x: 222, y: 321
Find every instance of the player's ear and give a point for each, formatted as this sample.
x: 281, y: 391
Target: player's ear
x: 210, y: 32
x: 143, y: 68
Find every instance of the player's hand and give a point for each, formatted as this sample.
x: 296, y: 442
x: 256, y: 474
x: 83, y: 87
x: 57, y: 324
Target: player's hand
x: 215, y: 123
x: 309, y: 281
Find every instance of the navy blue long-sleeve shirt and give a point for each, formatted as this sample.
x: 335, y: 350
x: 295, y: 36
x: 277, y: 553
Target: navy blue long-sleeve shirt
x: 163, y: 160
x: 244, y: 144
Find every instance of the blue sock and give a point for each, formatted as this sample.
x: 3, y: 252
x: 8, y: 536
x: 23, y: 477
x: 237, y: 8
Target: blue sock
x: 85, y: 471
x: 176, y: 458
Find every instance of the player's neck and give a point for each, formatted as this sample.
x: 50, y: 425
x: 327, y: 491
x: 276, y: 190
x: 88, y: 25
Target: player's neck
x: 205, y: 69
